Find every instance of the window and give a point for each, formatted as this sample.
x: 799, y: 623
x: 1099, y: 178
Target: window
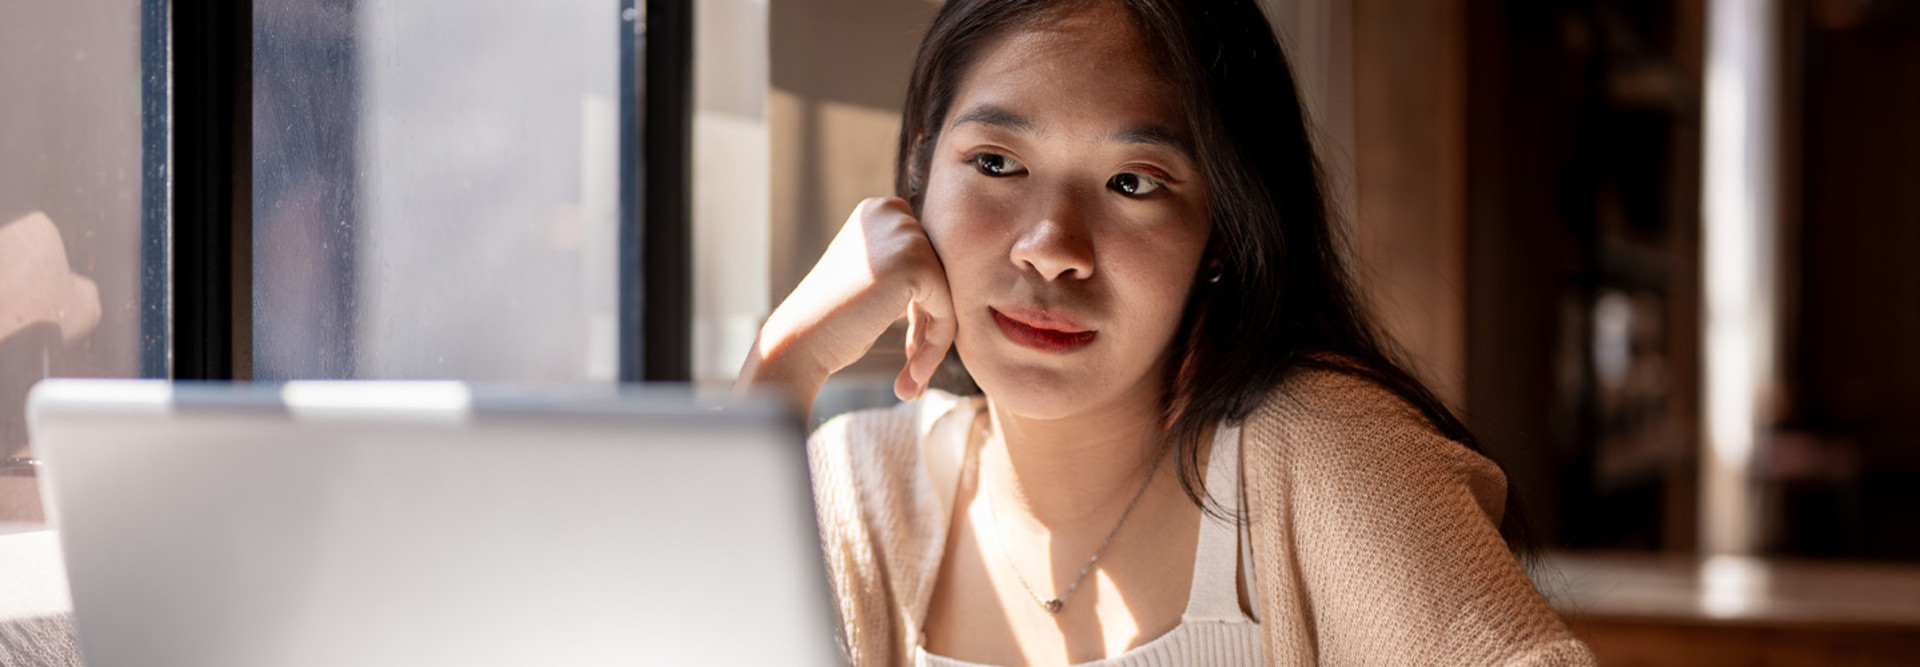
x: 425, y: 189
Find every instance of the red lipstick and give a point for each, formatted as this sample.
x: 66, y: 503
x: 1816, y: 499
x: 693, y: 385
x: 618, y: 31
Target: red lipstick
x: 1043, y: 331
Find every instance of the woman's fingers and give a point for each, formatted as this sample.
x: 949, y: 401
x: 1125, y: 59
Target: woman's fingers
x: 906, y: 386
x: 930, y: 332
x: 936, y: 329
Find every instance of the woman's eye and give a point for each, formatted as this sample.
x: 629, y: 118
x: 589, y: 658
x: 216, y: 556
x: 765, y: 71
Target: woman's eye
x: 993, y: 164
x: 1134, y: 185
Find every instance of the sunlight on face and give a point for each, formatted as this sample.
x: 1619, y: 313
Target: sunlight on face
x: 1065, y: 202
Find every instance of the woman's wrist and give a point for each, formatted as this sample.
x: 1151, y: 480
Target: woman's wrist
x: 774, y: 363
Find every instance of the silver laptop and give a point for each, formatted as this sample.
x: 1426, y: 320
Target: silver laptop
x: 423, y: 523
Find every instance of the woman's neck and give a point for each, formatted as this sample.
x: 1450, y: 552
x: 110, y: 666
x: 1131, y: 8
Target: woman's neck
x: 1066, y: 473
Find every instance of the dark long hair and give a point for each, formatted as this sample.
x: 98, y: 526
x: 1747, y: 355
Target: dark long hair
x: 1286, y: 301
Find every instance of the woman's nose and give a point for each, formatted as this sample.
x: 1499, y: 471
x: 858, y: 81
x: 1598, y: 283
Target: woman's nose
x: 1056, y: 243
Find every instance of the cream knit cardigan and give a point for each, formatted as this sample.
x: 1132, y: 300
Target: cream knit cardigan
x: 1375, y: 538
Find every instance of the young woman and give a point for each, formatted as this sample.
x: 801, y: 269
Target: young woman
x: 1189, y: 446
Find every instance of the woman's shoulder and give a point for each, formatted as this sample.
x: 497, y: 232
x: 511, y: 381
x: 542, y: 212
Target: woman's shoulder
x: 1335, y: 401
x: 1362, y: 499
x: 1334, y: 430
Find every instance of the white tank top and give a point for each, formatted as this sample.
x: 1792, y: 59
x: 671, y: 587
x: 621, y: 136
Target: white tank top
x: 1212, y: 631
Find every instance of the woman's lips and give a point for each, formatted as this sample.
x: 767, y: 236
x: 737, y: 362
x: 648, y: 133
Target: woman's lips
x: 1033, y: 330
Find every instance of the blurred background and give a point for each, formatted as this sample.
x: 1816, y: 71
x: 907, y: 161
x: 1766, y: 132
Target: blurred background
x: 1663, y: 256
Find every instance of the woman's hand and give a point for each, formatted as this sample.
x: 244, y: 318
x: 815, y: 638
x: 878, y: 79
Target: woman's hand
x: 879, y: 266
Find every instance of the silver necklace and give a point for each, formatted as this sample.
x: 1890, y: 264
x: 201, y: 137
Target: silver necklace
x: 1053, y: 605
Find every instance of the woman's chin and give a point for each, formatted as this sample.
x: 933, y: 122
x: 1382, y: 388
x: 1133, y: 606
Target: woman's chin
x: 1039, y: 392
x: 1043, y: 387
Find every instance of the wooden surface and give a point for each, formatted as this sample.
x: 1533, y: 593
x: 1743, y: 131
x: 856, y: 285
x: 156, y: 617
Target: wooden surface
x: 1641, y: 609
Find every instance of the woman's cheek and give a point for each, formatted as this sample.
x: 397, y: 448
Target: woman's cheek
x: 966, y: 227
x: 1163, y: 300
x: 945, y: 208
x: 1160, y: 269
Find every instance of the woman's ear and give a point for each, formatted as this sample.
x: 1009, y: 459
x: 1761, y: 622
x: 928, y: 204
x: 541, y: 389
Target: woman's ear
x: 916, y: 166
x: 1213, y: 263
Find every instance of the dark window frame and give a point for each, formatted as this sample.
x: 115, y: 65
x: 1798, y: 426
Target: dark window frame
x: 662, y: 348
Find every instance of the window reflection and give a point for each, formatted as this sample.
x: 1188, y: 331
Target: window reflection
x: 434, y: 189
x: 70, y: 189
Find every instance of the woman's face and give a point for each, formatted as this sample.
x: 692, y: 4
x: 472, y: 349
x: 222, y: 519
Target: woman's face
x: 1064, y: 199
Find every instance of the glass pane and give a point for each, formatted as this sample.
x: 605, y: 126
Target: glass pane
x: 70, y: 192
x: 435, y: 188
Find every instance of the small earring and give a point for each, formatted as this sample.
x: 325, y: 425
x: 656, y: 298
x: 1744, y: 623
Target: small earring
x: 1218, y: 271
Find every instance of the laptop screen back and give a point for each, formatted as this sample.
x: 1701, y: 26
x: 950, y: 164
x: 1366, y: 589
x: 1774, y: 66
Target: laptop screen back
x: 430, y: 523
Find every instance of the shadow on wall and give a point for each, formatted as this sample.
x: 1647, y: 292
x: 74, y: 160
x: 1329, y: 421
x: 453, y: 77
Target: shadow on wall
x: 839, y: 75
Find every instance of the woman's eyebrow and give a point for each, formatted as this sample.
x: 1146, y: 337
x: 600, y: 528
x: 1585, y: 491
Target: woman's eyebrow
x: 1155, y: 135
x: 1150, y: 134
x: 995, y: 115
